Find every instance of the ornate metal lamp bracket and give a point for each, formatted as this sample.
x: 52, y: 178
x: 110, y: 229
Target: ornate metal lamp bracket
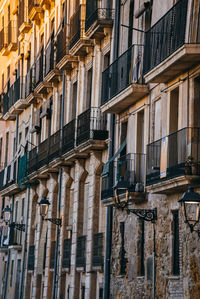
x: 57, y: 221
x: 145, y: 214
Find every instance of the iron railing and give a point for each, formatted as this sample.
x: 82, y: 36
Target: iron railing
x: 13, y: 94
x: 97, y: 258
x: 91, y: 124
x: 32, y: 163
x: 125, y: 70
x: 129, y: 168
x: 15, y: 235
x: 75, y: 27
x: 68, y: 142
x: 49, y: 55
x: 54, y: 146
x: 61, y: 49
x: 168, y: 35
x: 43, y: 150
x: 12, y: 32
x: 39, y: 67
x: 181, y: 157
x: 81, y: 252
x: 66, y: 253
x: 3, y: 38
x: 31, y: 5
x: 95, y: 13
x: 29, y: 82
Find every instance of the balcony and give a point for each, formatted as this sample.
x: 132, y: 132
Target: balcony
x: 173, y: 162
x: 78, y: 44
x: 14, y: 100
x: 12, y: 36
x: 32, y: 163
x: 172, y: 44
x: 29, y: 85
x: 35, y: 12
x: 97, y: 19
x: 68, y: 137
x: 122, y: 81
x: 98, y: 249
x: 40, y: 85
x: 8, y: 184
x: 91, y: 128
x: 15, y: 238
x: 51, y: 74
x: 81, y: 253
x: 129, y: 168
x: 64, y: 61
x: 23, y: 21
x: 4, y: 41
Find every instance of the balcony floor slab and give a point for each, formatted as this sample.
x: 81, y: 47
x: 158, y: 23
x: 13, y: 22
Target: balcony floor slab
x: 125, y: 98
x: 177, y: 184
x: 180, y: 61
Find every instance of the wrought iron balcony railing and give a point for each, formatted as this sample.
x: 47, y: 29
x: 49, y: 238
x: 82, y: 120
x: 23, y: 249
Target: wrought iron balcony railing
x: 174, y: 155
x: 29, y: 82
x: 95, y: 12
x: 168, y: 35
x: 13, y: 94
x: 15, y: 236
x: 81, y: 252
x: 54, y: 146
x: 49, y: 56
x: 97, y: 258
x: 75, y: 27
x: 22, y: 13
x: 39, y: 67
x: 129, y: 168
x: 61, y: 49
x: 68, y: 136
x: 91, y: 124
x: 8, y: 175
x: 32, y: 163
x: 124, y: 71
x: 12, y: 32
x: 3, y: 38
x: 66, y: 254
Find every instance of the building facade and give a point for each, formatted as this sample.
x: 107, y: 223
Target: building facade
x: 94, y: 93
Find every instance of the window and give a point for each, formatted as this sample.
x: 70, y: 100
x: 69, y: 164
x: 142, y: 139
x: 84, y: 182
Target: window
x: 11, y: 273
x: 106, y: 61
x: 22, y: 207
x: 123, y: 259
x: 140, y: 248
x: 74, y: 99
x: 6, y: 149
x: 16, y: 211
x: 89, y: 89
x: 82, y: 292
x: 1, y: 140
x: 20, y: 137
x: 175, y: 244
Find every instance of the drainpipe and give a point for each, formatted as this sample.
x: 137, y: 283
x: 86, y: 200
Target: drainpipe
x: 57, y: 251
x: 25, y: 247
x: 9, y: 254
x: 109, y: 210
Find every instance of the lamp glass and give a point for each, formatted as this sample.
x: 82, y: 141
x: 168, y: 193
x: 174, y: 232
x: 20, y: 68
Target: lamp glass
x: 44, y: 206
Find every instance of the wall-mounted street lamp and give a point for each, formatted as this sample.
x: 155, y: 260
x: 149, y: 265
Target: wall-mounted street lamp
x: 190, y: 203
x: 123, y: 187
x: 6, y: 215
x: 44, y: 207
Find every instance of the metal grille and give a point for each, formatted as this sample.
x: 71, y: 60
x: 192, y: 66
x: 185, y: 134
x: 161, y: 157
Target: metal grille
x: 97, y: 259
x: 91, y: 124
x: 122, y: 72
x: 32, y: 160
x: 180, y: 145
x: 43, y: 153
x: 68, y: 136
x: 166, y: 36
x: 80, y: 252
x: 75, y: 27
x: 61, y: 43
x: 54, y: 146
x: 66, y: 253
x: 13, y: 95
x: 95, y: 13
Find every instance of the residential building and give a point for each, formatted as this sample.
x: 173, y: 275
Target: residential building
x: 94, y: 93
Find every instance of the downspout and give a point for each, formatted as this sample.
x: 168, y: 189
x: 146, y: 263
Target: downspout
x: 57, y: 251
x: 109, y: 210
x: 25, y: 247
x: 9, y: 254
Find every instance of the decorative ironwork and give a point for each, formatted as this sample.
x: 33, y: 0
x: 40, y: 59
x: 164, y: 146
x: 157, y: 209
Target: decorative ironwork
x: 12, y: 95
x: 80, y: 253
x: 166, y: 36
x: 56, y: 221
x: 122, y: 72
x: 145, y: 214
x: 18, y: 226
